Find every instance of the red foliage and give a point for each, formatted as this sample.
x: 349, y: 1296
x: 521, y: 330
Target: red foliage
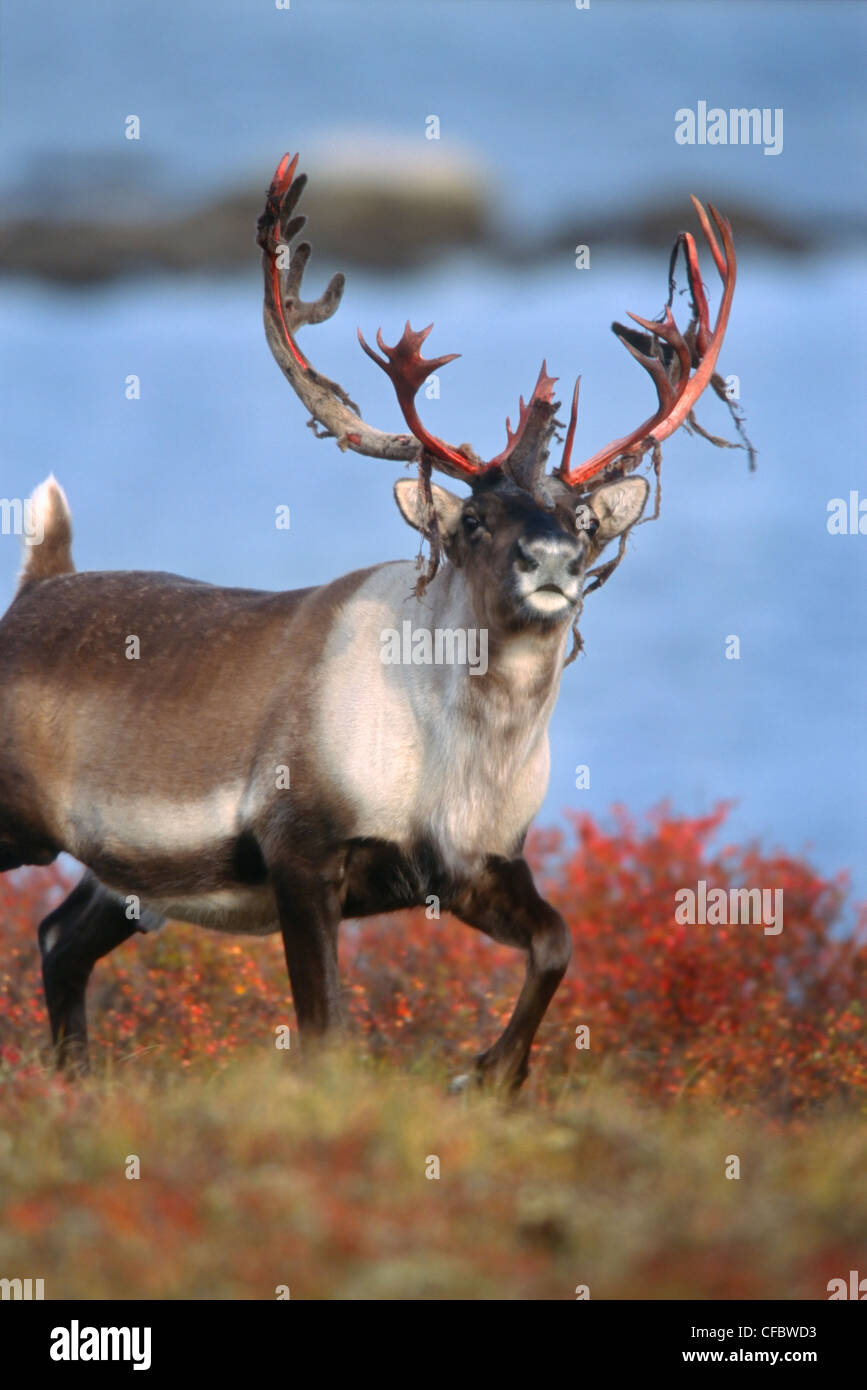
x: 728, y: 1011
x: 775, y: 1021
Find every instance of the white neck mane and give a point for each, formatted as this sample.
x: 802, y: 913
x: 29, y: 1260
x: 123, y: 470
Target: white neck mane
x: 431, y: 749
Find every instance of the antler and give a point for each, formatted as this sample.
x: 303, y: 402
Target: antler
x: 526, y: 451
x: 405, y: 367
x: 680, y: 365
x: 285, y: 312
x: 668, y: 356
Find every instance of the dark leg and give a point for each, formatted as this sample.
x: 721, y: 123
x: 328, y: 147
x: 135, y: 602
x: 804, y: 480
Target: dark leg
x: 504, y: 904
x: 309, y: 920
x: 89, y: 924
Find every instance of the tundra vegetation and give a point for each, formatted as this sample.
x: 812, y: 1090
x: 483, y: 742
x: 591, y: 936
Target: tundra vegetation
x: 259, y: 1170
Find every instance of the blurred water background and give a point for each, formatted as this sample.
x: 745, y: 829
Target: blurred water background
x: 570, y: 114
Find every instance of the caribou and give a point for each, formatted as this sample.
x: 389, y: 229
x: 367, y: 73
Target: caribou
x: 252, y: 763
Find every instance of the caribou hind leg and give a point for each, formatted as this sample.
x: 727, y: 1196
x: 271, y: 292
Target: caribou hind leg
x: 504, y: 904
x: 85, y: 927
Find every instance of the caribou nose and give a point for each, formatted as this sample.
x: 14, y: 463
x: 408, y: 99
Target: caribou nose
x: 551, y: 559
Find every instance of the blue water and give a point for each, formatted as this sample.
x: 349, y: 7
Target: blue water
x: 568, y: 105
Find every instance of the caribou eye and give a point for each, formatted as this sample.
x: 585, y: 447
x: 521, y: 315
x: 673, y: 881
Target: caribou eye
x: 471, y: 524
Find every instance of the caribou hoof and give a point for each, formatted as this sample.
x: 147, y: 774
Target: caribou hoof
x: 459, y: 1084
x: 486, y: 1076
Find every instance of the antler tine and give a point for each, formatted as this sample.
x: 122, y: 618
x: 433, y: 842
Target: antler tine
x: 722, y: 259
x: 700, y: 323
x: 526, y: 453
x: 285, y: 312
x: 405, y: 367
x: 668, y: 332
x: 655, y: 366
x: 524, y: 438
x: 573, y: 420
x: 676, y: 397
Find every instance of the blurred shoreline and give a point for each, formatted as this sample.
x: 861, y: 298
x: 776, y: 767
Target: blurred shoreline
x: 382, y: 225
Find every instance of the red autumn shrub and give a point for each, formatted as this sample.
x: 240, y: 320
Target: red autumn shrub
x: 729, y: 1011
x: 749, y: 1018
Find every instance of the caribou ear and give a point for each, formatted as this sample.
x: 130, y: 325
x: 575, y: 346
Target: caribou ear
x: 618, y: 506
x: 447, y: 506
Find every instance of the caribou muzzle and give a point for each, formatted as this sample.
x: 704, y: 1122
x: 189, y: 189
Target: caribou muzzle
x: 546, y: 575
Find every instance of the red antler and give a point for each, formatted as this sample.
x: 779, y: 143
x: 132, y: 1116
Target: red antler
x: 542, y: 391
x: 680, y: 365
x: 405, y: 367
x: 525, y: 452
x: 332, y: 411
x: 671, y: 358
